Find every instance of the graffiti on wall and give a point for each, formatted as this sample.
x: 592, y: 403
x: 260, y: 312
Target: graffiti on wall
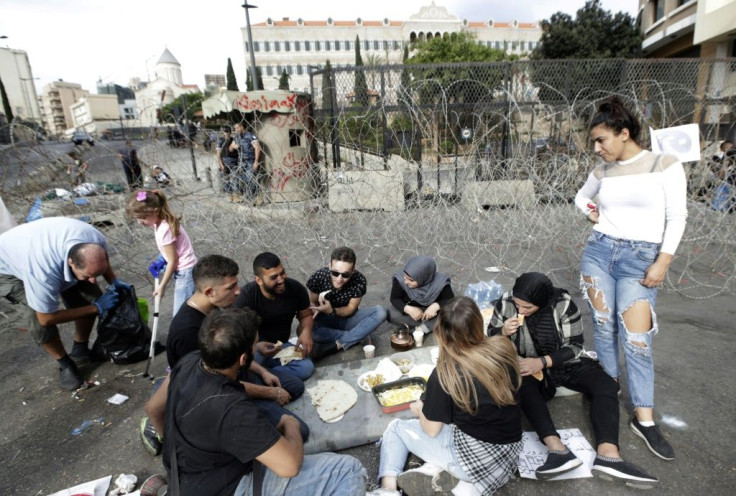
x: 291, y: 168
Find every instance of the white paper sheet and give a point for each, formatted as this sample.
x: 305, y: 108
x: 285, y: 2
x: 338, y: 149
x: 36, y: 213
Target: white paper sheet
x: 681, y: 141
x: 97, y: 487
x: 534, y: 453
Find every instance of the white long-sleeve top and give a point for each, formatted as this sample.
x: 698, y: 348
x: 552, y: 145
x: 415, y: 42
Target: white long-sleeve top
x: 640, y: 199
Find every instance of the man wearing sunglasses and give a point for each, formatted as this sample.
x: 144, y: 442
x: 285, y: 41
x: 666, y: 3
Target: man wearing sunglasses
x: 335, y: 293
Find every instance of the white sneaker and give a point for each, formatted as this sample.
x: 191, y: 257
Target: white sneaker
x: 383, y: 492
x: 465, y: 488
x: 427, y: 479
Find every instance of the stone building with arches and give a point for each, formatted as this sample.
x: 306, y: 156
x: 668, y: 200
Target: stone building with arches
x: 293, y: 45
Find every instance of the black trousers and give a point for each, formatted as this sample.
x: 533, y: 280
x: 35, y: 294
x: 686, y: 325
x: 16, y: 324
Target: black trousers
x: 588, y: 378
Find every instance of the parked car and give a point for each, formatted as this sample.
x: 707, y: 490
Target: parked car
x: 81, y: 136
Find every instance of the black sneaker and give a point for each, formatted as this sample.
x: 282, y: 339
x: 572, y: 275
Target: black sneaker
x: 150, y: 438
x: 656, y: 442
x: 617, y: 470
x: 70, y: 378
x: 557, y: 464
x: 81, y: 359
x: 321, y: 350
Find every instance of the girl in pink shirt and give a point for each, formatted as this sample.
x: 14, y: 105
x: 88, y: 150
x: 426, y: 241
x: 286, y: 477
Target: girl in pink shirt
x: 150, y: 209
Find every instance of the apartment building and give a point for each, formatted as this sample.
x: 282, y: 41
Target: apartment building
x: 95, y: 113
x: 295, y: 45
x: 18, y: 80
x: 56, y: 99
x: 688, y: 28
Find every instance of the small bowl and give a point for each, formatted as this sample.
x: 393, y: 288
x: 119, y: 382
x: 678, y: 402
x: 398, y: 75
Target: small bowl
x: 405, y: 361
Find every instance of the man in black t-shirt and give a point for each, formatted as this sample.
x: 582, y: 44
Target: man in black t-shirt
x: 335, y: 293
x: 216, y: 282
x: 277, y: 299
x: 215, y: 433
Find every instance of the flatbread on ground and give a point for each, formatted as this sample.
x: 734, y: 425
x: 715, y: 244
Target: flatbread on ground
x: 332, y: 398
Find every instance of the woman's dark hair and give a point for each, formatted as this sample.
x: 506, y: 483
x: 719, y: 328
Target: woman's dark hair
x: 613, y: 114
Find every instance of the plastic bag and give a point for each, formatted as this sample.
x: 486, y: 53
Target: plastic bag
x: 122, y: 335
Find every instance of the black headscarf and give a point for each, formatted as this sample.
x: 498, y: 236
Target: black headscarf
x: 538, y: 290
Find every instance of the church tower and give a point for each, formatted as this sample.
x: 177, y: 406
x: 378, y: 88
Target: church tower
x: 169, y: 68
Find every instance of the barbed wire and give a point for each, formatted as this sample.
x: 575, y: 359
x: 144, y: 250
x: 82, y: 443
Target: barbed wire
x: 408, y: 182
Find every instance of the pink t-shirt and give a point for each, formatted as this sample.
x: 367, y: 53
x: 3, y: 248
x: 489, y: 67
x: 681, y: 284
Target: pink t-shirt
x: 184, y: 249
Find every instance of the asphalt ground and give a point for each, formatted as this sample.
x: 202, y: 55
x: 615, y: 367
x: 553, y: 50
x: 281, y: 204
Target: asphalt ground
x: 694, y: 396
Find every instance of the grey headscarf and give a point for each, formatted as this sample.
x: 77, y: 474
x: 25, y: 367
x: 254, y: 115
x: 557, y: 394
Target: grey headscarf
x: 430, y: 282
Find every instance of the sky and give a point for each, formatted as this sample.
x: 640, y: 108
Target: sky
x: 82, y: 41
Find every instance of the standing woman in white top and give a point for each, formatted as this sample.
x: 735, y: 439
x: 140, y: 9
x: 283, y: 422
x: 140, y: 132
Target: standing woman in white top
x: 639, y: 219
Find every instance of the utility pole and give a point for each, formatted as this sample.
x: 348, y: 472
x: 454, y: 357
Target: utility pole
x: 253, y: 71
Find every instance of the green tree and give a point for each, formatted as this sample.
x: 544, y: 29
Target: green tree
x: 464, y: 83
x: 405, y: 75
x: 6, y: 102
x: 593, y: 35
x: 194, y: 104
x: 232, y: 83
x: 259, y: 79
x: 284, y: 81
x: 327, y: 88
x: 361, y: 86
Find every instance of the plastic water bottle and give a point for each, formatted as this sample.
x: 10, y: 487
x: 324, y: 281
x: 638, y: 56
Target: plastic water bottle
x: 495, y: 291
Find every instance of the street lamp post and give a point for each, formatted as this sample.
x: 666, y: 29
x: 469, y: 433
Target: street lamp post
x: 253, y: 72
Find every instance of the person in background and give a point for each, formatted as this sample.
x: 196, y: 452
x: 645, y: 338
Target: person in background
x: 128, y: 156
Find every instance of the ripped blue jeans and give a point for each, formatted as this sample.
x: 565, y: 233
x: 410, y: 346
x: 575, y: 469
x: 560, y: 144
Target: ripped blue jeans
x: 612, y: 269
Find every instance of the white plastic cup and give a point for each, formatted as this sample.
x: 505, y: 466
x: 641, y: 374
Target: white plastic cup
x: 418, y: 336
x: 369, y: 350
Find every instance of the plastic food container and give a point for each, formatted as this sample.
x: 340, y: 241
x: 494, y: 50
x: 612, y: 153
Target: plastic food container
x: 377, y: 390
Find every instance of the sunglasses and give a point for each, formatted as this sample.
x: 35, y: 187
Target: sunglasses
x: 345, y: 275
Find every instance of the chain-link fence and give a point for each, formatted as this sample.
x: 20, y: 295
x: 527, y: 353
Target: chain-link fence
x: 474, y: 164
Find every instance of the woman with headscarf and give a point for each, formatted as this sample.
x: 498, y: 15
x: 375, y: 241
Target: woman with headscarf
x: 418, y: 292
x: 544, y: 324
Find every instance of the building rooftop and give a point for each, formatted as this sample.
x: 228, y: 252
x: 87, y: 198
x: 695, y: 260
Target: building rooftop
x: 168, y: 58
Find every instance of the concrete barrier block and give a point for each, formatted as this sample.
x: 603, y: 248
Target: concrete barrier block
x: 366, y: 190
x: 498, y: 193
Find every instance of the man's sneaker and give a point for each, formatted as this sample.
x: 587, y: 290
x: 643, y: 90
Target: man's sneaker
x: 656, y: 442
x: 427, y: 479
x: 383, y: 492
x: 70, y: 378
x: 617, y: 470
x: 154, y: 486
x: 557, y: 464
x: 81, y: 360
x: 150, y: 438
x: 321, y: 350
